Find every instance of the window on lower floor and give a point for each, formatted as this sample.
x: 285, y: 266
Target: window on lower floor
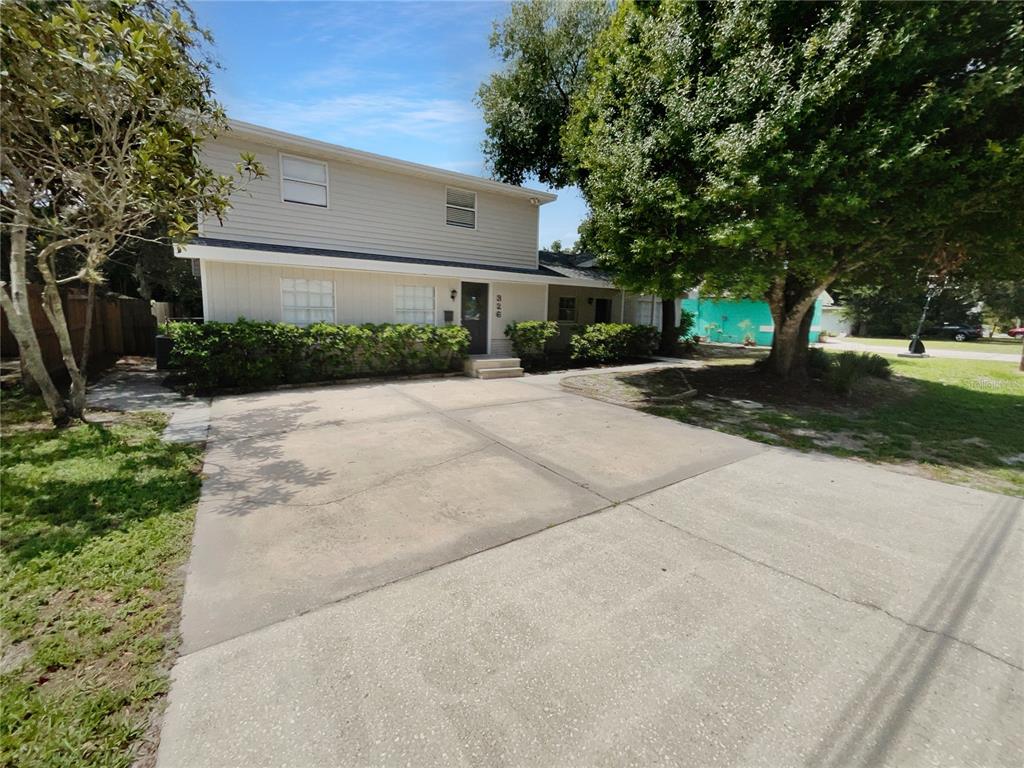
x: 304, y: 302
x: 414, y: 304
x: 567, y: 309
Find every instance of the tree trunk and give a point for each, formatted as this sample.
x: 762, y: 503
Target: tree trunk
x: 19, y: 318
x: 792, y: 306
x: 1022, y: 356
x: 54, y: 311
x: 668, y: 326
x: 78, y: 387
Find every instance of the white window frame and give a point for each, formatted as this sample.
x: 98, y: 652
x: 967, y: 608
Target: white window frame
x: 334, y: 301
x: 326, y: 184
x: 433, y: 304
x: 475, y: 209
x: 575, y: 309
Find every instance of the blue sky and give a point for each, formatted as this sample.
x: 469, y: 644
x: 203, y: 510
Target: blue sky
x: 396, y: 78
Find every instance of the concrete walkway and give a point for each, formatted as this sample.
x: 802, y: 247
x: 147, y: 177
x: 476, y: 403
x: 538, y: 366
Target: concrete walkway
x: 967, y: 353
x: 473, y: 573
x: 136, y: 385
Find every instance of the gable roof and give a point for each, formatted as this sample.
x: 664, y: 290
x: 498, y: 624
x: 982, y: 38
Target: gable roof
x: 359, y: 157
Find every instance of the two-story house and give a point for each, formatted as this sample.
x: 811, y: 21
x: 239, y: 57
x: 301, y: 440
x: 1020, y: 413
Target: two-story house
x: 338, y: 235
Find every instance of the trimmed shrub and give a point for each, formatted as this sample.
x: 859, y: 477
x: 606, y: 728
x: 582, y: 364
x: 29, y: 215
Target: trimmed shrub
x: 529, y: 339
x: 613, y: 342
x: 846, y: 369
x: 251, y: 354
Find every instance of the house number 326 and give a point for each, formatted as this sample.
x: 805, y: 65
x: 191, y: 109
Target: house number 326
x: 497, y: 305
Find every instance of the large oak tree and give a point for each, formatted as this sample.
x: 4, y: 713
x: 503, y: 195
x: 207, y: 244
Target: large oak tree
x: 770, y: 149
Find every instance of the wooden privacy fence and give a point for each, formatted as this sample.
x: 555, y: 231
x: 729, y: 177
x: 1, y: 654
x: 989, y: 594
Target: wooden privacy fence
x: 121, y: 325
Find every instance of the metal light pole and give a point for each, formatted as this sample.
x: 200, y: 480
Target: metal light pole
x: 916, y: 345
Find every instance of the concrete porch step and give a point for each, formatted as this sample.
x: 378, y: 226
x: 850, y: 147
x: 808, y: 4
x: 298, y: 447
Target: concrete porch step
x: 499, y: 373
x: 479, y: 365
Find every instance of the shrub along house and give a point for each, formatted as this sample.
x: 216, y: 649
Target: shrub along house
x: 342, y: 236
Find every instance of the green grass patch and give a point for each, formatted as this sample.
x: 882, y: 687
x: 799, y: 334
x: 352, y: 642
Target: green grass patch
x: 96, y: 523
x: 960, y: 421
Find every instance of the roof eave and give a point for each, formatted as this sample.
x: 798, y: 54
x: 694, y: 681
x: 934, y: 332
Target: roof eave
x: 263, y: 257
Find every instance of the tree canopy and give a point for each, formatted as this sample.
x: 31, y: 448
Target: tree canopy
x: 544, y: 45
x: 105, y: 108
x: 771, y: 148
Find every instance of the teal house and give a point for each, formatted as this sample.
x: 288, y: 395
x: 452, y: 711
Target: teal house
x: 733, y: 321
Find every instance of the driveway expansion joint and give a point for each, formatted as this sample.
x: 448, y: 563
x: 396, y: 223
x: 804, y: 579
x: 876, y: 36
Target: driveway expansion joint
x: 611, y: 506
x: 824, y: 590
x: 377, y: 587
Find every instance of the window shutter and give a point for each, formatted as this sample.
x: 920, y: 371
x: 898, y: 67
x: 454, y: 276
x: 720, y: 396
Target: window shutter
x: 461, y: 208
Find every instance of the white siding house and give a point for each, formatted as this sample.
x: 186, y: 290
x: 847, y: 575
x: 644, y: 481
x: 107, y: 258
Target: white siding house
x: 334, y: 234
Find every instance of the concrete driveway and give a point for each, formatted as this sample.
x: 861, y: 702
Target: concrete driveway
x: 460, y: 572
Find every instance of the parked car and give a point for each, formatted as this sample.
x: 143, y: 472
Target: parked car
x: 954, y: 331
x: 1017, y: 332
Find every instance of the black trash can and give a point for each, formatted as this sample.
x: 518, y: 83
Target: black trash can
x: 164, y: 345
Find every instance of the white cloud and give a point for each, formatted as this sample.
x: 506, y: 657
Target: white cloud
x: 339, y: 118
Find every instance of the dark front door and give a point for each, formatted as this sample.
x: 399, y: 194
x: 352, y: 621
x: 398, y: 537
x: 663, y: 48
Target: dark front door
x: 474, y: 316
x: 602, y: 310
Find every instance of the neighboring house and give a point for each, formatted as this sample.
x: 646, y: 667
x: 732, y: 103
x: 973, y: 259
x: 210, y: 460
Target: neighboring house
x: 338, y: 235
x: 598, y: 302
x: 834, y: 320
x: 724, y: 319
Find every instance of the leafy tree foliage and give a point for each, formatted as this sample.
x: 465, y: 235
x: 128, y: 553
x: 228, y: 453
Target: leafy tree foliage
x: 544, y: 45
x: 768, y: 149
x: 1002, y: 302
x: 895, y: 307
x: 105, y: 108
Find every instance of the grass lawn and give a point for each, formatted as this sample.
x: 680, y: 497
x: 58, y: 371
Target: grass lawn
x: 1004, y: 346
x: 960, y: 421
x: 96, y: 524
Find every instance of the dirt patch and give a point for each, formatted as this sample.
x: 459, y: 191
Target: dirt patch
x: 656, y: 386
x: 748, y: 384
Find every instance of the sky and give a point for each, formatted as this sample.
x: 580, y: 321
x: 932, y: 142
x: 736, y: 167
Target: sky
x: 395, y: 78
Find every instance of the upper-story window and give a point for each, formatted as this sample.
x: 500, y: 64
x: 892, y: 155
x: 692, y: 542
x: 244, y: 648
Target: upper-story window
x: 303, y: 181
x: 461, y: 208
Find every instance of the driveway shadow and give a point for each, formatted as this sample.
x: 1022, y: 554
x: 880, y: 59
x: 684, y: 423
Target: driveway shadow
x: 871, y: 723
x: 253, y: 439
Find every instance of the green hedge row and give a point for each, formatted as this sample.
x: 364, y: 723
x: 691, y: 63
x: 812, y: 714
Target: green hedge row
x: 613, y: 342
x: 590, y: 344
x: 248, y: 354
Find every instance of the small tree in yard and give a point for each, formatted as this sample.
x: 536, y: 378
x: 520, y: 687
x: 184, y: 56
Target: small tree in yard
x: 771, y: 149
x: 105, y: 107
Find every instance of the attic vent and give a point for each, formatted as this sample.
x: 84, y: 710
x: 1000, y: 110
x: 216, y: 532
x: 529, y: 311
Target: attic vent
x: 461, y: 208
